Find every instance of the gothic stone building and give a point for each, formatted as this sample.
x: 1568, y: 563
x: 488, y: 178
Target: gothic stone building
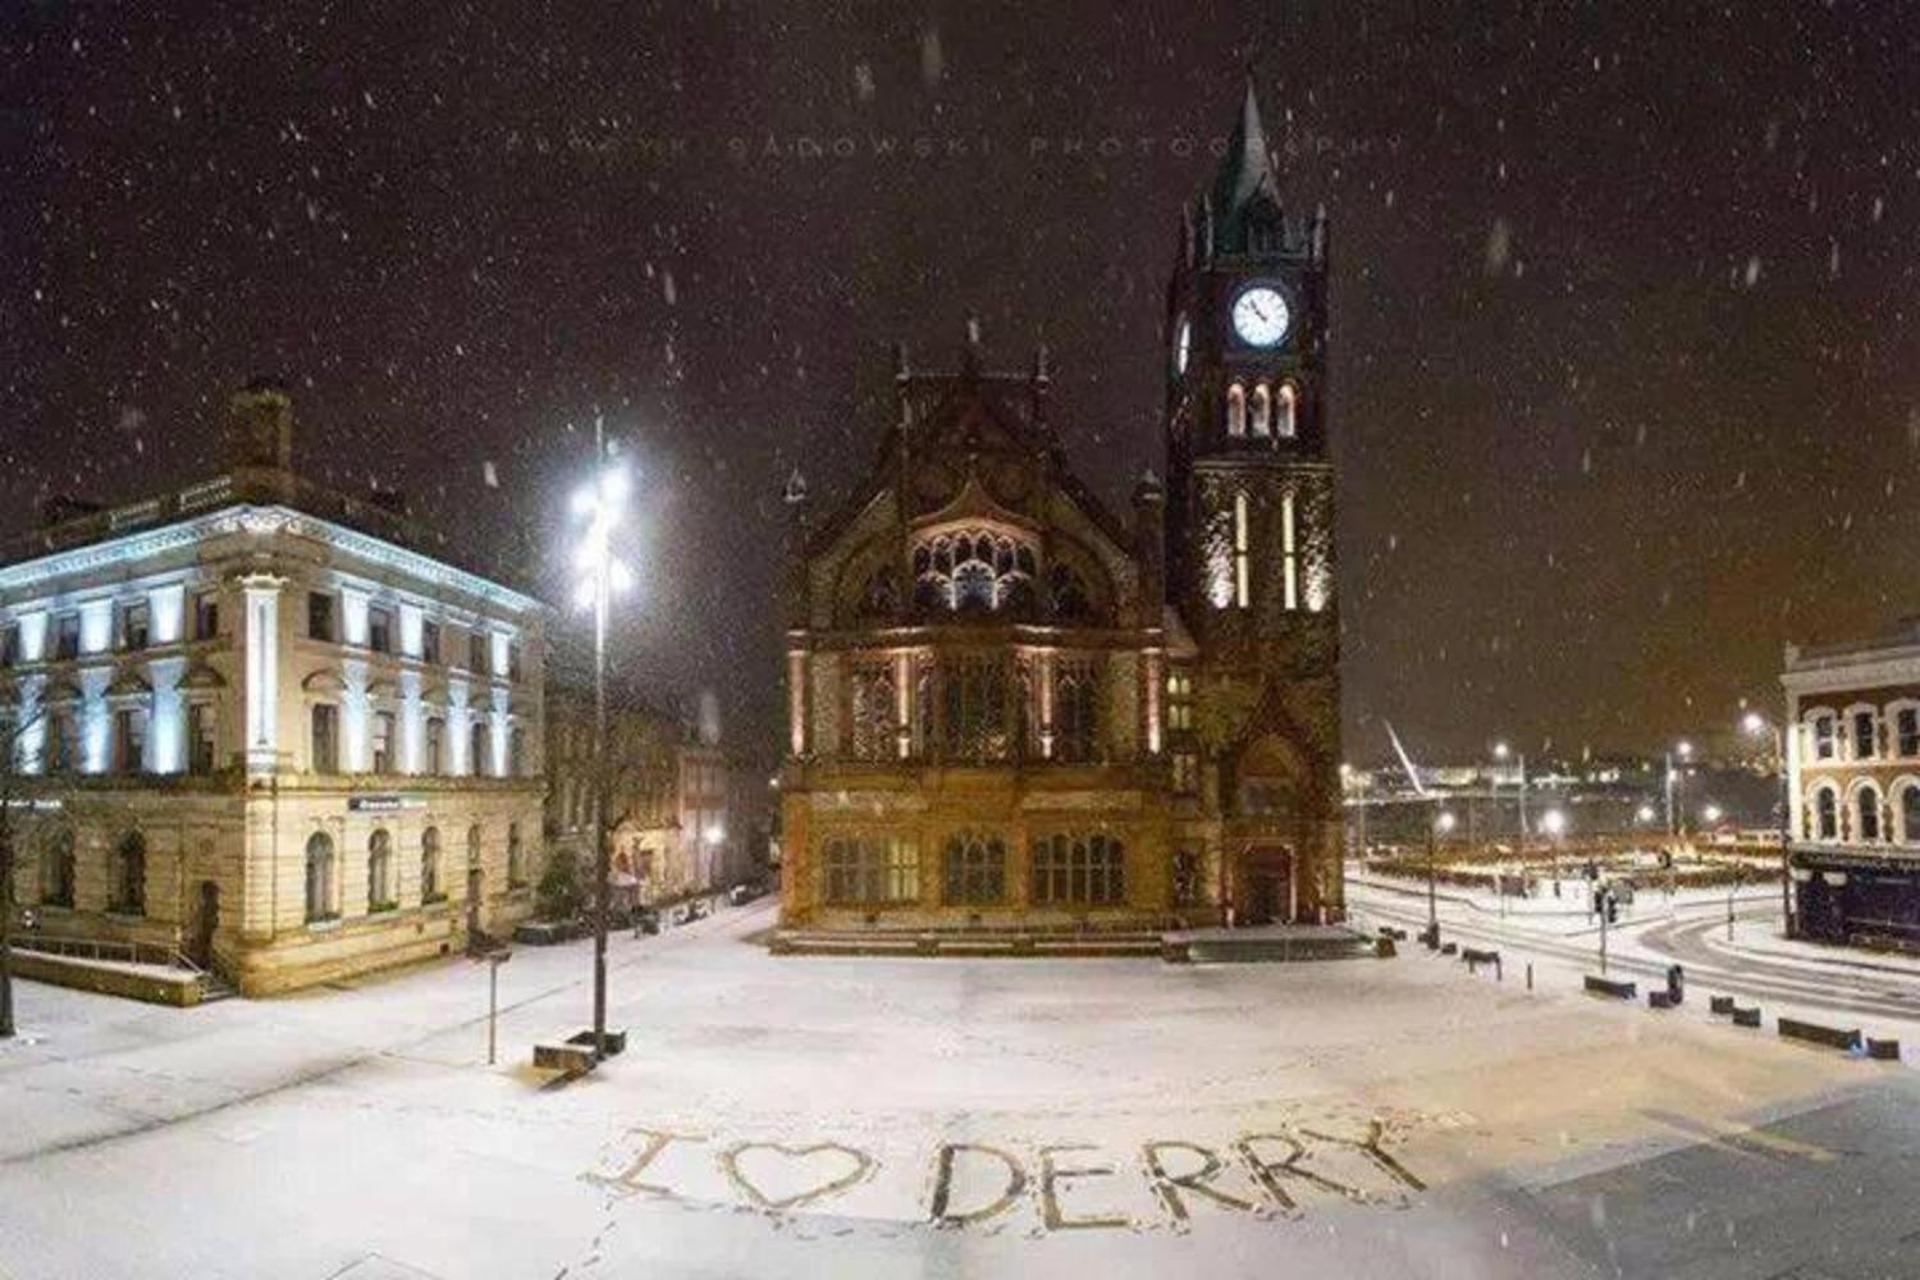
x: 1009, y: 707
x: 262, y: 726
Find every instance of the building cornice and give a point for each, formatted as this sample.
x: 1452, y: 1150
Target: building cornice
x: 259, y: 521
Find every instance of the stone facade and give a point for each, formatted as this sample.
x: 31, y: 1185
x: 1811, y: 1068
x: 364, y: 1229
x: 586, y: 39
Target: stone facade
x: 681, y: 809
x: 1853, y: 754
x: 1008, y: 708
x: 250, y: 723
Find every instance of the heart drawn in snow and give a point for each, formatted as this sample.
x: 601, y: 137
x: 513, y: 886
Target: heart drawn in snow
x: 784, y: 1177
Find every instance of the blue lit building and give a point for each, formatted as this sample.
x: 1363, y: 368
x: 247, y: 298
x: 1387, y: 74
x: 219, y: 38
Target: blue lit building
x: 267, y: 729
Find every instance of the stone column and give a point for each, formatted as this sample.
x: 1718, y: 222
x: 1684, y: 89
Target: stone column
x: 260, y: 640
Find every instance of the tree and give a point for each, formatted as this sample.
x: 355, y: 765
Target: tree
x: 13, y: 731
x: 560, y: 893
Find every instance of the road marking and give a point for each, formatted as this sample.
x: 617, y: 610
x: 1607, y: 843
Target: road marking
x: 1742, y: 1138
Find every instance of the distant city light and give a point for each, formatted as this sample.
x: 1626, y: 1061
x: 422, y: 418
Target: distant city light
x: 1683, y: 748
x: 1499, y: 751
x: 1644, y: 813
x: 1444, y: 823
x: 1754, y: 722
x: 1553, y: 822
x: 1711, y: 813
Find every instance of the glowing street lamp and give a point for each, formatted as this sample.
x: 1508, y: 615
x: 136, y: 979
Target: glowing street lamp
x: 1500, y: 753
x: 1684, y: 750
x: 600, y: 503
x: 1554, y: 823
x: 1711, y: 814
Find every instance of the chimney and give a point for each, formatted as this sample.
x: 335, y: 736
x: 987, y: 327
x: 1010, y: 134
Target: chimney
x: 259, y: 427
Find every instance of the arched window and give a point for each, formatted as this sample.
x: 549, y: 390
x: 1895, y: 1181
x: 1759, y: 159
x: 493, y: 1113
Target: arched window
x: 1069, y: 593
x: 973, y: 571
x: 1236, y: 410
x: 516, y: 752
x: 1910, y: 814
x: 870, y: 709
x: 1826, y: 811
x: 1864, y: 735
x: 881, y: 596
x: 477, y: 743
x: 56, y: 868
x: 1823, y: 737
x: 1262, y: 416
x: 130, y: 876
x: 1242, y: 544
x: 430, y: 890
x: 1076, y: 717
x: 516, y: 857
x: 380, y: 871
x: 975, y: 869
x: 1867, y: 803
x: 473, y: 846
x: 1285, y: 404
x: 319, y: 877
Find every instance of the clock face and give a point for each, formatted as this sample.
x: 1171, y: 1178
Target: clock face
x: 1183, y: 345
x: 1260, y: 316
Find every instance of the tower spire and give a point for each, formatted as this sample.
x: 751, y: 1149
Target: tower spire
x: 1246, y: 182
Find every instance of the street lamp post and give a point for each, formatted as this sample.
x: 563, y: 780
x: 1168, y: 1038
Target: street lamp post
x: 1441, y: 824
x: 601, y: 573
x: 1755, y: 723
x: 1684, y: 750
x: 1554, y: 822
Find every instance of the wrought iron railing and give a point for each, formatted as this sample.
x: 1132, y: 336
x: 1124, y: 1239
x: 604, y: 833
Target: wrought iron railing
x: 112, y: 949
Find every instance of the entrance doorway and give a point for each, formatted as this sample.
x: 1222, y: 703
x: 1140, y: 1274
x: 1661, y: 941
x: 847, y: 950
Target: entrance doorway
x: 206, y: 920
x: 1267, y: 897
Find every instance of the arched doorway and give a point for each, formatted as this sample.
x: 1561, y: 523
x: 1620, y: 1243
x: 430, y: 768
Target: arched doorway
x: 1263, y: 873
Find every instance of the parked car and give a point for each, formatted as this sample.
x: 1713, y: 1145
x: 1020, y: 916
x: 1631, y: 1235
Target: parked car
x: 645, y: 920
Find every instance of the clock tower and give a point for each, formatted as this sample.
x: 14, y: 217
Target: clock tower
x: 1249, y: 527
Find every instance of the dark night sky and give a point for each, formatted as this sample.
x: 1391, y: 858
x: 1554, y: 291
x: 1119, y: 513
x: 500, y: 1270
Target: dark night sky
x: 1626, y: 364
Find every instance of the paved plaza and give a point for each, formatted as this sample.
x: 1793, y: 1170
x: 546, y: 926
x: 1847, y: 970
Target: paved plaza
x: 903, y: 1117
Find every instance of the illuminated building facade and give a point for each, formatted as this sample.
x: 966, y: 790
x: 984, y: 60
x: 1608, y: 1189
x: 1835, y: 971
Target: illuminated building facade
x: 255, y: 725
x: 1010, y: 708
x: 1853, y: 752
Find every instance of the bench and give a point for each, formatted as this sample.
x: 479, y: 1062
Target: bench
x: 1748, y: 1017
x: 1610, y: 987
x: 1883, y: 1050
x: 569, y: 1059
x: 1722, y: 1005
x: 1813, y: 1032
x: 1660, y: 999
x: 1477, y: 956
